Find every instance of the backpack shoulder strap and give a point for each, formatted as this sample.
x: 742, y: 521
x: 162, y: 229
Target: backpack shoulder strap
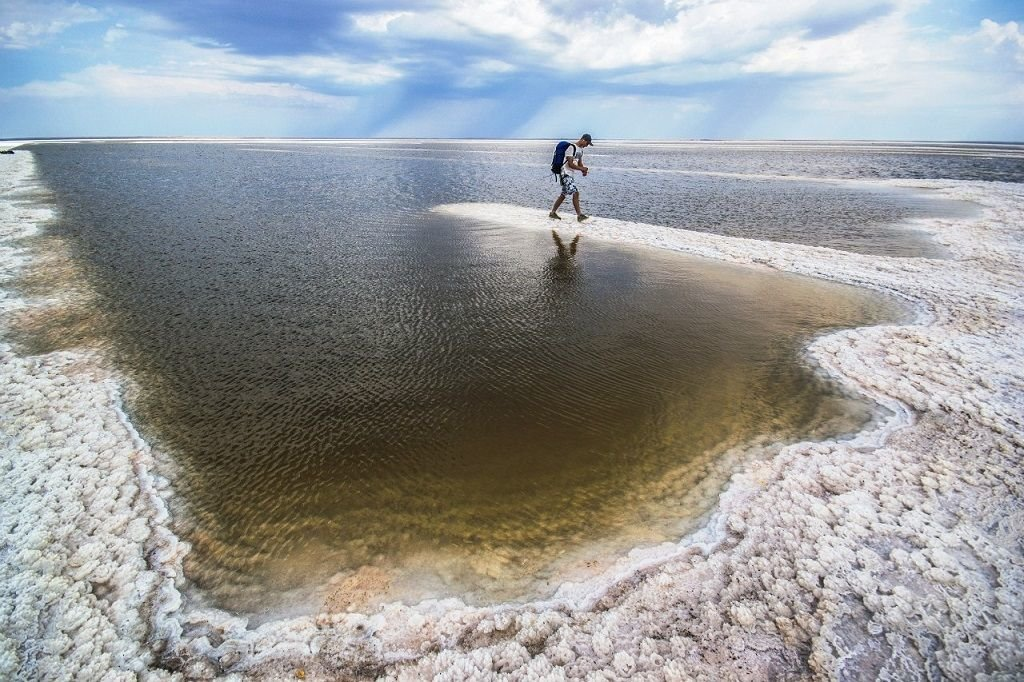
x: 568, y: 154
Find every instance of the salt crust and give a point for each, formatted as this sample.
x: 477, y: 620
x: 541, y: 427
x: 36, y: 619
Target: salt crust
x: 896, y: 555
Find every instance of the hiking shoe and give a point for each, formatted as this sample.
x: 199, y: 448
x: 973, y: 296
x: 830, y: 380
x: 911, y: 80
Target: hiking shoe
x: 554, y: 215
x: 582, y: 217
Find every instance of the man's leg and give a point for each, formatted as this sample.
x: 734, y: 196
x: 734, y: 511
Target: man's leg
x: 576, y: 205
x: 558, y: 202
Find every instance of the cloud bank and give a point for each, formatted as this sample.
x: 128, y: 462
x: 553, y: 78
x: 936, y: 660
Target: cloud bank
x: 494, y: 68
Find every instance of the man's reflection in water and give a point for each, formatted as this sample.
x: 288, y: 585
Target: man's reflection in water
x: 563, y: 266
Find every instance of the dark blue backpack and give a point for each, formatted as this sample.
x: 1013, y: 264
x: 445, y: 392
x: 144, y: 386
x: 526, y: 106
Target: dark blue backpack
x: 559, y: 158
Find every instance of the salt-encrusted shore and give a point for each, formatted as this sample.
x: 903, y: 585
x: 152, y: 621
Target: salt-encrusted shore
x: 895, y: 555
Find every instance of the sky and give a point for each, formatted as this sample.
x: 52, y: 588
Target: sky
x: 619, y: 69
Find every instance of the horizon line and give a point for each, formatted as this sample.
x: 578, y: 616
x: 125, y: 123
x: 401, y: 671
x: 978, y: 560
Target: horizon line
x: 20, y: 141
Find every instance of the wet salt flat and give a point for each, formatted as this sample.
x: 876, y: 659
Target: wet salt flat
x: 850, y: 516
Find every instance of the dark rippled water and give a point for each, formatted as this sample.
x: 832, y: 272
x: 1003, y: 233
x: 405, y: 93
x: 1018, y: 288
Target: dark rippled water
x: 353, y: 386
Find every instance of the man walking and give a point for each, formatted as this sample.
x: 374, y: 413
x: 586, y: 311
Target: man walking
x: 566, y: 177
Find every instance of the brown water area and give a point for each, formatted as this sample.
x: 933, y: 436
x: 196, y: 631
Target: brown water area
x: 417, y: 406
x: 472, y: 447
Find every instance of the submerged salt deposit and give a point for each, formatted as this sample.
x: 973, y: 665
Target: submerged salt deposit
x: 895, y: 554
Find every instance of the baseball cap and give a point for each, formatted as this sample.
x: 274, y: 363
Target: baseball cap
x: 586, y: 136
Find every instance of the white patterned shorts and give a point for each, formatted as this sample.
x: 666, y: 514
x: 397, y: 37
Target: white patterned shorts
x: 568, y: 186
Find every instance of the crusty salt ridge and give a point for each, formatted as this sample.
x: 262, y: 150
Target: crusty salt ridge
x: 893, y: 555
x: 77, y: 501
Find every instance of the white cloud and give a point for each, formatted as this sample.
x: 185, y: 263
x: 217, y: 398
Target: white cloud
x: 48, y: 89
x: 214, y: 61
x: 115, y: 81
x: 153, y: 23
x: 1002, y: 33
x: 695, y: 30
x: 115, y: 34
x: 684, y: 73
x: 877, y: 46
x: 145, y: 68
x: 915, y: 100
x: 484, y: 71
x: 29, y: 24
x: 333, y: 68
x: 375, y: 22
x: 997, y: 35
x: 120, y: 82
x: 794, y: 54
x: 526, y: 21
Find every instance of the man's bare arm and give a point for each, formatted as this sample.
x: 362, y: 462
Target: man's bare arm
x: 576, y: 165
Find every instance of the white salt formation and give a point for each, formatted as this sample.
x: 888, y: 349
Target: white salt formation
x: 896, y: 555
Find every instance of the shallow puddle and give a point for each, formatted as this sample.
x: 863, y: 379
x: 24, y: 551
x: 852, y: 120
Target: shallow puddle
x: 366, y: 402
